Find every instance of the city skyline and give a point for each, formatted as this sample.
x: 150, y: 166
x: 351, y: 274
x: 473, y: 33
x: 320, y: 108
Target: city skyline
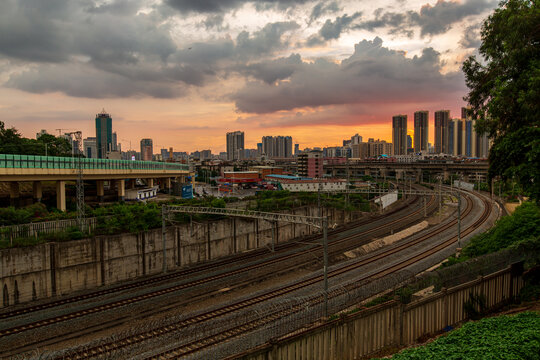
x: 187, y: 74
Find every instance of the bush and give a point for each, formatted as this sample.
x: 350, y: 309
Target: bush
x: 522, y: 228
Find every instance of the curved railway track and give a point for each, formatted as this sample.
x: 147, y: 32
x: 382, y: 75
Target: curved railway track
x: 246, y: 269
x: 196, y: 346
x: 230, y: 333
x: 235, y: 259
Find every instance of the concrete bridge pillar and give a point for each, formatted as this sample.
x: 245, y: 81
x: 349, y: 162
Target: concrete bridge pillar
x: 168, y: 183
x: 14, y: 193
x: 121, y: 188
x: 100, y: 187
x: 132, y: 184
x: 418, y: 176
x: 400, y: 174
x: 150, y: 182
x: 61, y: 195
x: 37, y: 191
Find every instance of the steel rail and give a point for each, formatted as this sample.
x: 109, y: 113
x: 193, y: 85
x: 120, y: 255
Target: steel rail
x: 129, y: 341
x: 236, y: 331
x: 199, y: 268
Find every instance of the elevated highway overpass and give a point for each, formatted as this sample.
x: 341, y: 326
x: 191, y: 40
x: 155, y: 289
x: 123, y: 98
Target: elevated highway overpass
x: 22, y: 168
x: 469, y: 170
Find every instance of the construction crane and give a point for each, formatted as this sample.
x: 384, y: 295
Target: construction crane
x: 77, y: 136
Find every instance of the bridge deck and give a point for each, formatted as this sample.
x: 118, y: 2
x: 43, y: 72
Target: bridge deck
x: 33, y: 167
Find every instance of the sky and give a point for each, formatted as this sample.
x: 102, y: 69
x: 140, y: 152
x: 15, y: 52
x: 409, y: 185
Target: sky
x: 185, y: 72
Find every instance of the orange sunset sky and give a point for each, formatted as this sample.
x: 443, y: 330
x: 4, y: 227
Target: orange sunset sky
x: 184, y: 73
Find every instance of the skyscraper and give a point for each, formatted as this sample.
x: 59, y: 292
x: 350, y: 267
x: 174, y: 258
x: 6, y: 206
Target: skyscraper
x: 442, y: 119
x: 277, y: 146
x: 421, y: 131
x: 455, y: 137
x: 89, y: 147
x: 235, y: 145
x: 103, y: 134
x: 147, y: 149
x: 399, y: 134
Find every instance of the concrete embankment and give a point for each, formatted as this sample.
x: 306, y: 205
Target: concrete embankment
x: 60, y: 268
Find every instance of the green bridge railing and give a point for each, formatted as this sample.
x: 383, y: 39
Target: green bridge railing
x: 57, y: 162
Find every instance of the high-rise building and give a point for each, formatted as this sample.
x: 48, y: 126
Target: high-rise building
x: 296, y: 149
x: 235, y: 145
x: 469, y: 138
x: 442, y: 119
x: 310, y: 164
x: 277, y: 146
x: 104, y: 138
x: 482, y: 146
x: 164, y: 154
x: 421, y: 131
x: 42, y: 132
x: 380, y: 147
x: 356, y: 139
x: 409, y: 144
x: 465, y: 113
x: 399, y: 134
x: 89, y: 147
x: 147, y: 149
x: 259, y: 149
x: 455, y: 138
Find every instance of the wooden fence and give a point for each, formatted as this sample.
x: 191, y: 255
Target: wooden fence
x: 391, y: 324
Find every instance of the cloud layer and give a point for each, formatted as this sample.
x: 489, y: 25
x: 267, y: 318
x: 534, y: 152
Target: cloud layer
x: 374, y: 74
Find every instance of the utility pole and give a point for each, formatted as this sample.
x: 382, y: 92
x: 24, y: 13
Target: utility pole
x: 440, y: 196
x: 77, y: 136
x: 325, y: 263
x: 459, y: 219
x: 163, y: 237
x: 347, y: 184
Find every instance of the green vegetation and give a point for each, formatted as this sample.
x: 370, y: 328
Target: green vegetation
x: 285, y: 200
x: 134, y: 217
x: 11, y: 142
x: 522, y: 228
x: 501, y: 337
x: 504, y: 88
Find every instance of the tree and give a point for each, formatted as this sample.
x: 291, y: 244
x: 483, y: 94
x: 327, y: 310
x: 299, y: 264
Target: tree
x: 504, y: 92
x: 11, y: 142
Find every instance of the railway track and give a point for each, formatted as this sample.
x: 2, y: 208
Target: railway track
x: 336, y: 244
x: 230, y: 333
x: 189, y: 271
x: 246, y: 269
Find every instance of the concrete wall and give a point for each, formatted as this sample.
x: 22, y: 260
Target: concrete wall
x: 388, y: 325
x: 61, y: 268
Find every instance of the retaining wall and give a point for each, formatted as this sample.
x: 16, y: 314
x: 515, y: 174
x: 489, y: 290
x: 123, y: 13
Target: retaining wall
x: 389, y: 325
x: 60, y: 268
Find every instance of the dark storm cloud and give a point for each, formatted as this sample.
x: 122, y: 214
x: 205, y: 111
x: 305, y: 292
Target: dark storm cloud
x: 332, y: 29
x: 323, y: 8
x: 218, y: 6
x: 215, y: 21
x: 373, y: 74
x: 431, y: 20
x: 471, y: 37
x: 273, y: 70
x: 267, y: 40
x: 88, y: 82
x: 54, y: 31
x: 113, y: 44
